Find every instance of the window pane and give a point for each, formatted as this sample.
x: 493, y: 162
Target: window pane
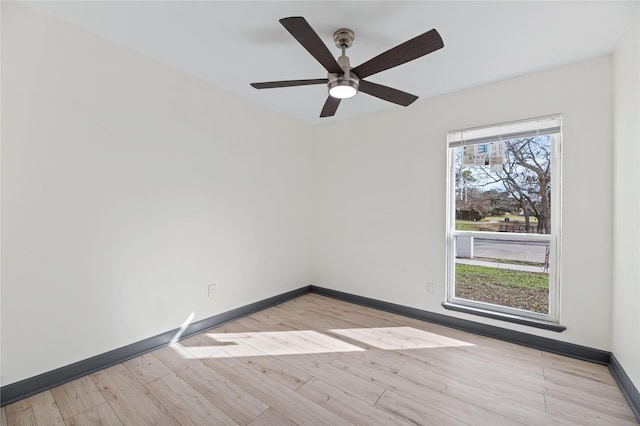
x: 501, y: 249
x: 511, y: 273
x: 504, y: 186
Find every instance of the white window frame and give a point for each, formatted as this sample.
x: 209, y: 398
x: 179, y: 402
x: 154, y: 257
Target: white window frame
x: 507, y: 131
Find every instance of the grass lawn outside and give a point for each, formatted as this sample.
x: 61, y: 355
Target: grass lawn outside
x: 509, y: 261
x: 491, y: 223
x: 511, y: 217
x: 516, y: 289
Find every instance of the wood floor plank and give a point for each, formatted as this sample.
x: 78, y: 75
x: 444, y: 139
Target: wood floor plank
x: 389, y: 361
x: 39, y: 409
x: 276, y: 315
x: 279, y: 397
x: 271, y: 417
x: 311, y: 342
x: 364, y: 319
x: 465, y: 412
x: 398, y: 338
x: 77, y: 396
x: 529, y: 409
x: 452, y: 358
x: 229, y: 327
x: 317, y: 345
x: 413, y: 322
x: 321, y: 324
x: 318, y: 321
x: 21, y: 413
x: 234, y: 400
x: 241, y: 344
x: 252, y: 323
x: 509, y: 361
x: 414, y: 412
x: 185, y: 404
x: 45, y: 409
x: 129, y: 399
x: 470, y: 382
x: 281, y: 342
x: 288, y: 318
x: 174, y: 356
x: 269, y: 320
x: 617, y: 407
x: 496, y: 346
x: 147, y: 368
x: 360, y: 388
x: 297, y: 306
x: 583, y: 415
x: 262, y: 343
x: 326, y: 303
x: 3, y: 417
x: 560, y: 362
x: 591, y: 384
x: 101, y: 415
x: 200, y: 346
x: 266, y: 317
x: 598, y: 373
x: 278, y: 369
x: 349, y: 407
x: 479, y: 352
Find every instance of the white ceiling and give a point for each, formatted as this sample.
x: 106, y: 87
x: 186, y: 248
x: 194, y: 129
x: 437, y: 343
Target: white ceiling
x: 231, y: 44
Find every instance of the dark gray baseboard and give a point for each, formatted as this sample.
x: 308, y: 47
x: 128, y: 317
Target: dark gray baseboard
x: 33, y: 385
x: 525, y: 339
x: 628, y: 389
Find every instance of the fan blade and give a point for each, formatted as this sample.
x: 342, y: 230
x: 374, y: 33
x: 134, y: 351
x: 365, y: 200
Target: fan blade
x: 309, y: 39
x: 387, y: 93
x: 330, y: 107
x: 288, y: 83
x: 405, y: 52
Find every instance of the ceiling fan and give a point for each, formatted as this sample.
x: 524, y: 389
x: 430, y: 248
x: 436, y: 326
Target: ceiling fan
x: 344, y: 81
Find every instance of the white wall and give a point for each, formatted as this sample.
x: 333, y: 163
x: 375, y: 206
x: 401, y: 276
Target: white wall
x: 128, y: 187
x: 626, y: 248
x: 379, y: 195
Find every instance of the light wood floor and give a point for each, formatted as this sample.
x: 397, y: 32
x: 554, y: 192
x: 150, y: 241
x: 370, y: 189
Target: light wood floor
x: 318, y: 361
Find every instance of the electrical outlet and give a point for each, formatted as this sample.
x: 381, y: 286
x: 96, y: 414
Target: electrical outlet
x: 211, y: 290
x: 429, y: 287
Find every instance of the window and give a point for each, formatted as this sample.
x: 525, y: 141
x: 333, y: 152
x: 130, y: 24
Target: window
x: 503, y: 242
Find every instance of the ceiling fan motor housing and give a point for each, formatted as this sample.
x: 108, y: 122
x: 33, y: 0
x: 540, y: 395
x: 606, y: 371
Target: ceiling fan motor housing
x: 343, y: 38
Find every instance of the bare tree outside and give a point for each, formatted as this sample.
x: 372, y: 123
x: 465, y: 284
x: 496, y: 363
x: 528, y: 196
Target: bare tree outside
x: 522, y: 186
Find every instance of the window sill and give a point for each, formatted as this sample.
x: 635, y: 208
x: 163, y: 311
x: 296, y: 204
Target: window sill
x: 506, y: 317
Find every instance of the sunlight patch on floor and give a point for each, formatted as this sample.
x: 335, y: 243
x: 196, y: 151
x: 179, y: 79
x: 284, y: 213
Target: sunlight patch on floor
x: 226, y: 345
x: 299, y: 342
x: 395, y: 338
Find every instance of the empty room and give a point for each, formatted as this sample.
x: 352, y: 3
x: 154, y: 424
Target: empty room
x: 320, y: 213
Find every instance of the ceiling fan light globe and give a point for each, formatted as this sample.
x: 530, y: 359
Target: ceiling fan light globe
x: 343, y: 87
x: 343, y: 91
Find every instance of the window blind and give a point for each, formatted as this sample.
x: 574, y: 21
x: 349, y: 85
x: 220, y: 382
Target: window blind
x: 502, y: 132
